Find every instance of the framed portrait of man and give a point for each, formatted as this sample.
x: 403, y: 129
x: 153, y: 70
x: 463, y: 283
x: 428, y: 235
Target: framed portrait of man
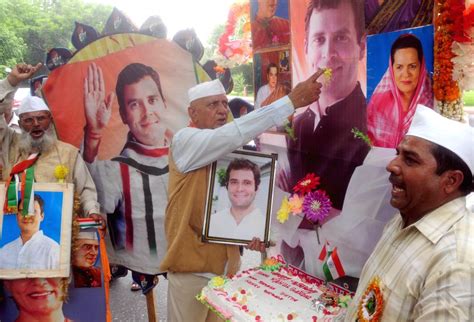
x: 37, y: 243
x: 239, y: 199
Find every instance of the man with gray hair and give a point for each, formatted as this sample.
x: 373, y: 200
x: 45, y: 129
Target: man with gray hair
x: 190, y: 262
x: 37, y: 150
x: 84, y: 256
x: 422, y: 268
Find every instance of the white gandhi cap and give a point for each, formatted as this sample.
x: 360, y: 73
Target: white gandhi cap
x: 87, y: 235
x: 32, y: 104
x: 205, y: 89
x: 454, y: 136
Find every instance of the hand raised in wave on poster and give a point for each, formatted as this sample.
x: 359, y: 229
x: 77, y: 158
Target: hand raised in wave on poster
x: 98, y: 107
x: 98, y: 110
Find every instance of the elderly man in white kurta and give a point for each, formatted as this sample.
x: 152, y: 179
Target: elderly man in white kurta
x: 37, y: 146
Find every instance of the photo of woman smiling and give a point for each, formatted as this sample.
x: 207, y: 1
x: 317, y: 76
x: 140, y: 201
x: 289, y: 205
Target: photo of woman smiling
x: 38, y: 299
x: 404, y: 85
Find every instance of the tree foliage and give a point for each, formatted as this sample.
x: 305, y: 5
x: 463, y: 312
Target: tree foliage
x: 33, y: 27
x: 12, y: 49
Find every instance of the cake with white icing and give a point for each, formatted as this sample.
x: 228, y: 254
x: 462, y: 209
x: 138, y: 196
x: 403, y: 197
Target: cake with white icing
x: 275, y: 292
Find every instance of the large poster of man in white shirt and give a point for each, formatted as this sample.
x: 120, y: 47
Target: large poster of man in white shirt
x: 239, y: 198
x: 36, y: 244
x: 131, y: 100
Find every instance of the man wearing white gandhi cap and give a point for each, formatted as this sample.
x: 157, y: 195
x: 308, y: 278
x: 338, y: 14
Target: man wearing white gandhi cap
x: 189, y: 262
x: 85, y: 252
x: 36, y: 151
x: 424, y: 263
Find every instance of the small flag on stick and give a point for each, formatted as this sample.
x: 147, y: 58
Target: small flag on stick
x: 332, y: 265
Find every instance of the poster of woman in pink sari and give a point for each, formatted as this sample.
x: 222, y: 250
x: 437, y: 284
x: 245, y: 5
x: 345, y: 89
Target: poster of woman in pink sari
x: 405, y: 84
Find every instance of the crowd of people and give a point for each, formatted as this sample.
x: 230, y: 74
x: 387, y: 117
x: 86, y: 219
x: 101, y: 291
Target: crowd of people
x: 423, y: 264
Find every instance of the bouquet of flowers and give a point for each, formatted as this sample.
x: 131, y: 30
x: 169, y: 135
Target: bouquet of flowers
x: 306, y: 201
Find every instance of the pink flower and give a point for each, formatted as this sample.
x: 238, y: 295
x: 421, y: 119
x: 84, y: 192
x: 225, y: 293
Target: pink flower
x: 296, y: 204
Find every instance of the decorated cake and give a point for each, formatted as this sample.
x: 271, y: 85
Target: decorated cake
x: 275, y: 292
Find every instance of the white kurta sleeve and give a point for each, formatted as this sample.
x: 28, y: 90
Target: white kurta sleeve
x: 5, y: 88
x: 194, y: 148
x: 85, y: 186
x: 108, y: 182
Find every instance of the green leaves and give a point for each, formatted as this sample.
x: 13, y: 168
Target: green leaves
x: 30, y: 28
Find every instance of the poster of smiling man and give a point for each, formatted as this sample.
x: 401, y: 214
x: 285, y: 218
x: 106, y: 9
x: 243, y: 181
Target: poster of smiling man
x: 37, y: 244
x: 330, y: 37
x: 129, y: 94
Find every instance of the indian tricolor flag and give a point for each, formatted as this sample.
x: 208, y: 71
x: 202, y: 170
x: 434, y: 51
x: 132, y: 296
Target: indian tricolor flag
x: 332, y: 266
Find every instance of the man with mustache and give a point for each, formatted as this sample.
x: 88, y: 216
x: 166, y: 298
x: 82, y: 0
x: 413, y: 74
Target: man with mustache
x: 32, y: 250
x: 84, y: 256
x: 132, y: 187
x: 325, y: 144
x: 243, y: 220
x: 423, y: 265
x: 37, y: 150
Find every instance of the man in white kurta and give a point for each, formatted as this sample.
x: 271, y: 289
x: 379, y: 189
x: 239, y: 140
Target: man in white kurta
x: 59, y: 153
x: 423, y: 265
x: 190, y: 262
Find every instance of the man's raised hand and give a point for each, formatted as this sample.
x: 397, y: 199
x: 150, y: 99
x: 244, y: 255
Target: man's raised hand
x: 307, y: 91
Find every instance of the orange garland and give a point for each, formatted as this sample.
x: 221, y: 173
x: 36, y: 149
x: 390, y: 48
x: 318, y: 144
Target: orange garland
x: 448, y: 28
x: 229, y: 46
x: 373, y: 293
x: 445, y: 88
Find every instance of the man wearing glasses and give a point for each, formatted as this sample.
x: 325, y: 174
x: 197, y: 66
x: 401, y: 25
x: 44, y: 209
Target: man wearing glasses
x: 38, y: 150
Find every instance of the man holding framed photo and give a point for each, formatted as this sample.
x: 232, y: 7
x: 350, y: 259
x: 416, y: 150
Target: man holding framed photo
x: 243, y: 220
x: 189, y: 261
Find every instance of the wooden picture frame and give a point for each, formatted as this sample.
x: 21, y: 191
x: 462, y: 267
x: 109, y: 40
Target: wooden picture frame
x: 52, y: 258
x: 239, y: 204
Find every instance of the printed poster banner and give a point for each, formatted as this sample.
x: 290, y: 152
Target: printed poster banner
x: 269, y: 23
x: 324, y: 142
x: 64, y: 89
x: 80, y: 298
x: 129, y: 94
x: 399, y: 73
x: 38, y: 244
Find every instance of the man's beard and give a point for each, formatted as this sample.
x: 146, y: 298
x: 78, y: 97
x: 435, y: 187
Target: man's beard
x: 28, y: 145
